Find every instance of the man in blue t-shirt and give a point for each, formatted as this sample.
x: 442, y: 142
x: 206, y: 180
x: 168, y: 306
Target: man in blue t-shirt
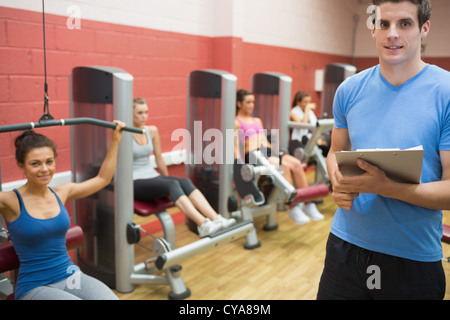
x: 385, y: 240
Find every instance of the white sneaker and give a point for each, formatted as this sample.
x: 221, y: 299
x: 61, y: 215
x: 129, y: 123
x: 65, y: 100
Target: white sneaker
x: 312, y: 211
x: 225, y: 223
x: 207, y: 228
x: 296, y: 213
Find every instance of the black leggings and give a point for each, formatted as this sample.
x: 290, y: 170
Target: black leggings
x: 162, y: 186
x: 266, y: 152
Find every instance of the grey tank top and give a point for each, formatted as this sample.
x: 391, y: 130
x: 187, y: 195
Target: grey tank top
x: 142, y: 167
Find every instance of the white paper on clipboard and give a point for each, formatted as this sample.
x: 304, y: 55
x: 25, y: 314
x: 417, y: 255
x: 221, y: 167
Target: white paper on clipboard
x: 399, y: 165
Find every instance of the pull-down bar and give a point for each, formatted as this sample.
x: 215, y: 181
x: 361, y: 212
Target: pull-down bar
x: 64, y: 122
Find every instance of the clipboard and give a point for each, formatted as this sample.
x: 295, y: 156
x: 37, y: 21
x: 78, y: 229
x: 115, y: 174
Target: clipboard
x: 399, y: 165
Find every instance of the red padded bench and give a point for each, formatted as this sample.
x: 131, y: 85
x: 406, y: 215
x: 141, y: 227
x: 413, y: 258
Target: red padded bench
x: 446, y: 234
x: 311, y: 193
x: 159, y: 208
x: 145, y: 209
x: 8, y: 257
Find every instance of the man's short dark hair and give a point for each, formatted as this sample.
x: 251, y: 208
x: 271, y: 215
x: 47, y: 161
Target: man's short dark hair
x: 424, y: 6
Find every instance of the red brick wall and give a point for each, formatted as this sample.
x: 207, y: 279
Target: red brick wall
x: 299, y: 65
x: 159, y: 61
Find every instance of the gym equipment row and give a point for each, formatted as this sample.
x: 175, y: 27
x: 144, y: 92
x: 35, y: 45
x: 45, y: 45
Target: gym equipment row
x: 100, y: 94
x: 263, y: 191
x: 109, y: 255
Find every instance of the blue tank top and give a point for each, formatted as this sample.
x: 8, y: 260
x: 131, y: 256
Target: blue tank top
x: 373, y: 111
x: 40, y: 245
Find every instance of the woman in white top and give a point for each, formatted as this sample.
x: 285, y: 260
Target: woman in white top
x: 150, y: 184
x: 303, y: 111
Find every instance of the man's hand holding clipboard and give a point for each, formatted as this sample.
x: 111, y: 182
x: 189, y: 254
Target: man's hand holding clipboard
x: 399, y: 165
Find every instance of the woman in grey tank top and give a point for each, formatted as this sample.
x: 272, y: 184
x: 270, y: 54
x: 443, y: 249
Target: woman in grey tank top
x: 150, y: 184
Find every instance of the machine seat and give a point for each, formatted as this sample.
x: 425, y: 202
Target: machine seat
x: 144, y: 209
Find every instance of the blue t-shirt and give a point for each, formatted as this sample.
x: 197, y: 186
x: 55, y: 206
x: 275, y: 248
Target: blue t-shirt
x: 40, y: 245
x: 380, y: 115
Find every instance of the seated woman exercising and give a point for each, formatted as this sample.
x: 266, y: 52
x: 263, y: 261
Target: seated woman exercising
x: 303, y: 112
x: 150, y: 185
x: 251, y: 134
x: 38, y: 221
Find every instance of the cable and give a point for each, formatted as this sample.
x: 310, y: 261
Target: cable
x: 46, y: 113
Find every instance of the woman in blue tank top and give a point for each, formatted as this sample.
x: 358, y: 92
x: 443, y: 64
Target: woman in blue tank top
x: 38, y: 221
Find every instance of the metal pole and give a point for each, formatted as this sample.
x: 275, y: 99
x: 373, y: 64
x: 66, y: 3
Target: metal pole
x: 123, y: 184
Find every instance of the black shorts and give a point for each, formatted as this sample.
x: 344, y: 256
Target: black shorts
x: 162, y: 186
x: 354, y: 273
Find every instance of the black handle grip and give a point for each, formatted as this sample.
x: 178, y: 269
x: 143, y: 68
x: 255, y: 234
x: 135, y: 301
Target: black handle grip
x: 63, y: 122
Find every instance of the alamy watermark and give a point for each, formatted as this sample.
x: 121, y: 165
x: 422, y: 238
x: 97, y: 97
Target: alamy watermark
x: 213, y: 146
x: 74, y: 19
x: 74, y: 280
x: 374, y: 280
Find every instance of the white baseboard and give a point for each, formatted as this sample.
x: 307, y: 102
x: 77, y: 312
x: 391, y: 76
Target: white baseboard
x: 171, y: 158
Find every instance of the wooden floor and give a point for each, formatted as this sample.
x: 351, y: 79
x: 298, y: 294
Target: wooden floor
x: 287, y: 266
